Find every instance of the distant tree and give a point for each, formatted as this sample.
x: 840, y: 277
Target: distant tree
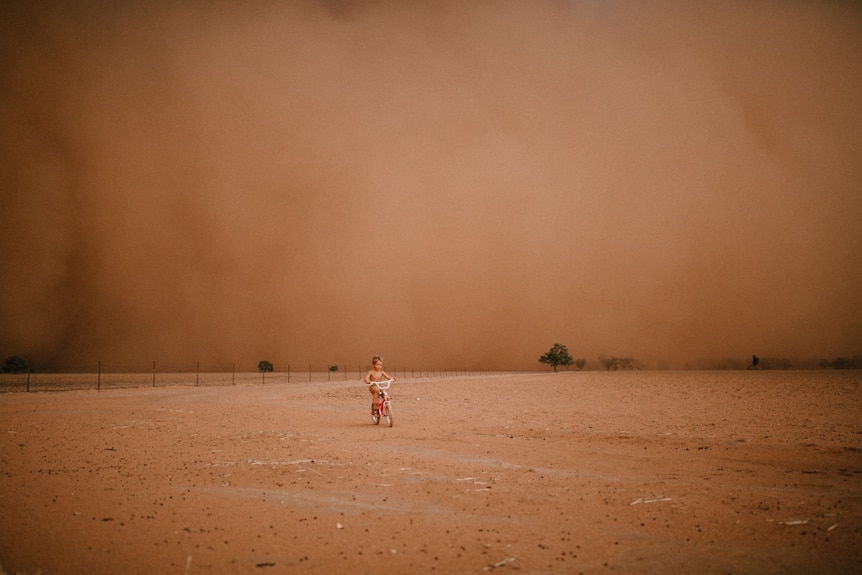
x: 558, y: 355
x: 264, y: 365
x: 14, y: 364
x: 841, y: 363
x: 854, y: 362
x: 609, y: 362
x: 754, y: 361
x: 333, y: 368
x: 580, y: 363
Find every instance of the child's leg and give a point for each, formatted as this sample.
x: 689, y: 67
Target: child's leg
x: 374, y: 393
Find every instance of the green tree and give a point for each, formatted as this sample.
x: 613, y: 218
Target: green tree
x: 558, y: 355
x: 14, y: 364
x: 264, y: 365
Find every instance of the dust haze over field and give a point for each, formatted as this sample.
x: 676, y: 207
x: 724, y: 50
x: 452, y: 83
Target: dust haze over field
x: 446, y: 184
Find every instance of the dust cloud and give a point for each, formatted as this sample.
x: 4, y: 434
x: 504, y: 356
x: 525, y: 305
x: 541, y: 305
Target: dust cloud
x: 447, y: 184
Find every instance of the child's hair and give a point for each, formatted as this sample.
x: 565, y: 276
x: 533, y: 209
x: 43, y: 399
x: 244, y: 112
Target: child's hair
x: 375, y: 359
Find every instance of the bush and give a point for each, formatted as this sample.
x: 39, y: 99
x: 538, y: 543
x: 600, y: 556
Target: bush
x: 15, y: 364
x: 264, y: 365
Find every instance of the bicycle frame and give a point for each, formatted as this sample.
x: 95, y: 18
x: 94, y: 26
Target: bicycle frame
x: 384, y: 406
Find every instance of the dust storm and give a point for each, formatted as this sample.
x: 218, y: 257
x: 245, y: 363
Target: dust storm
x: 446, y: 184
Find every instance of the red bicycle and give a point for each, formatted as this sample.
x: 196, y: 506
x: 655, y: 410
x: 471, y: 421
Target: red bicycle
x: 384, y: 402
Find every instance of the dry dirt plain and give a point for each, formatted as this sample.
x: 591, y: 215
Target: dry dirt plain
x: 635, y: 472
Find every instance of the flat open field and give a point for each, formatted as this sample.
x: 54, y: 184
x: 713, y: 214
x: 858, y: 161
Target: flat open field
x: 624, y: 472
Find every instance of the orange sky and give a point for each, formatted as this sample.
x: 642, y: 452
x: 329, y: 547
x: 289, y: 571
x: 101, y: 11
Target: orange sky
x: 445, y: 184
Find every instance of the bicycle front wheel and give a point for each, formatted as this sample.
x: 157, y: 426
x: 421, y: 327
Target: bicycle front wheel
x: 389, y: 414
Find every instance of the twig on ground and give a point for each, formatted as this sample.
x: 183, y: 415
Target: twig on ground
x: 794, y: 522
x: 505, y: 561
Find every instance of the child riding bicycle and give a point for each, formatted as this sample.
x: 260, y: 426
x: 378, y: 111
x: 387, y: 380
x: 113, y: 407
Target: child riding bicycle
x: 376, y: 374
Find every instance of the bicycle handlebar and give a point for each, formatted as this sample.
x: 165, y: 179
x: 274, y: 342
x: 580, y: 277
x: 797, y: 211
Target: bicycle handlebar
x: 383, y: 384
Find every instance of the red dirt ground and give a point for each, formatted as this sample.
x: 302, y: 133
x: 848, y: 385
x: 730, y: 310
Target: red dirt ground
x: 644, y: 472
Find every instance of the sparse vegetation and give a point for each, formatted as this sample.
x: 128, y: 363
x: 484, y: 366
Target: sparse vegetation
x: 580, y: 363
x: 610, y: 362
x: 854, y: 362
x: 333, y: 368
x: 558, y: 355
x: 264, y: 366
x: 15, y: 364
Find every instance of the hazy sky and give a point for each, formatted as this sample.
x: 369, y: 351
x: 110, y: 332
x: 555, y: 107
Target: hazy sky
x: 455, y: 184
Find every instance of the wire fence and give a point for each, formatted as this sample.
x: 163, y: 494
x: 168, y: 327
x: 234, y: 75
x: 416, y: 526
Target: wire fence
x: 153, y: 374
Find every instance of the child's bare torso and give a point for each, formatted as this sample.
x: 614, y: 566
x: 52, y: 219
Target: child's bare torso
x: 376, y: 375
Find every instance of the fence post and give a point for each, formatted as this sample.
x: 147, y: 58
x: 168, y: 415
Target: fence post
x: 154, y: 373
x: 99, y: 377
x: 288, y: 373
x: 197, y: 373
x: 233, y: 375
x: 28, y: 379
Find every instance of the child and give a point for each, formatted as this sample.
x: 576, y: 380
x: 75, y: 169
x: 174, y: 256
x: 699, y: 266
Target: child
x: 375, y: 374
